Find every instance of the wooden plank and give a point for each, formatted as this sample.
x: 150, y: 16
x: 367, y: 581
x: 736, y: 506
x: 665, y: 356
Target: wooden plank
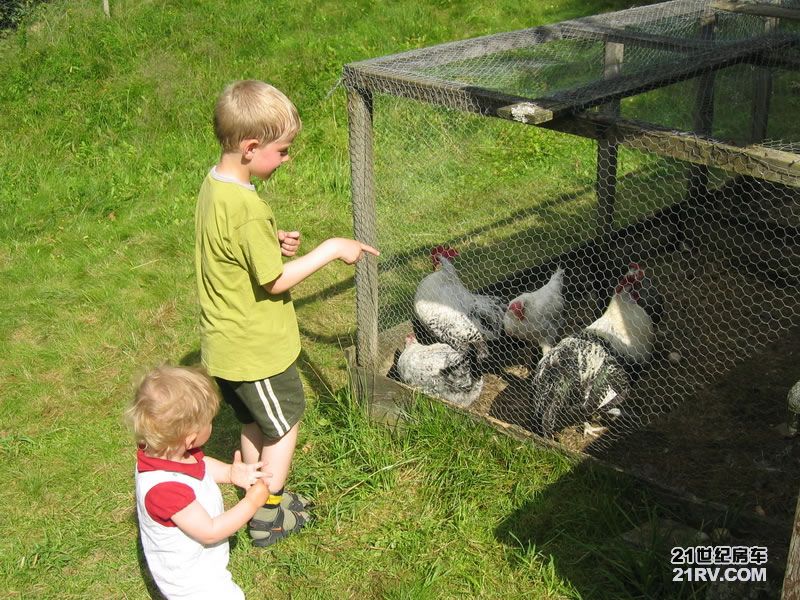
x: 776, y: 60
x: 631, y: 38
x: 753, y: 160
x: 545, y: 109
x: 428, y: 89
x: 757, y: 9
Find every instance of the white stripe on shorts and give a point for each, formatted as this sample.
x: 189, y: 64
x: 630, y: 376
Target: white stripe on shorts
x: 278, y: 409
x: 268, y: 407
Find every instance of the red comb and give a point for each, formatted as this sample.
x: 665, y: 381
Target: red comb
x: 445, y: 251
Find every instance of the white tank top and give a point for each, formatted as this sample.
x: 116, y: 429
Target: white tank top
x: 181, y: 566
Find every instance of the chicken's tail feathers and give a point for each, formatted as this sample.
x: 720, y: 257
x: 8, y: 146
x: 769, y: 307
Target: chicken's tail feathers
x: 554, y: 385
x: 462, y: 372
x: 487, y: 314
x: 556, y: 280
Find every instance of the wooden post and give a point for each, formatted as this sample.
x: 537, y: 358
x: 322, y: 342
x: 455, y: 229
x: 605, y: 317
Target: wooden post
x: 606, y: 177
x: 762, y: 92
x: 607, y: 148
x: 704, y: 112
x: 106, y: 8
x: 791, y: 579
x: 359, y: 109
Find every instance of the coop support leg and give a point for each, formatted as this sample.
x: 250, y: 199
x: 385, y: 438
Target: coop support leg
x: 359, y: 109
x: 791, y: 579
x: 606, y: 182
x: 762, y: 92
x: 703, y: 113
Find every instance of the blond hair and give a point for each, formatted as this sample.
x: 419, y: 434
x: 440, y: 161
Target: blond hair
x: 252, y: 109
x: 169, y: 404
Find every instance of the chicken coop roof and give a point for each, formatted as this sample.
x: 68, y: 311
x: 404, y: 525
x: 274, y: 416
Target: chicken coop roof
x: 553, y: 75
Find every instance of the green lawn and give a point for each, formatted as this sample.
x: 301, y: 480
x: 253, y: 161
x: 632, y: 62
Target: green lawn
x: 106, y: 138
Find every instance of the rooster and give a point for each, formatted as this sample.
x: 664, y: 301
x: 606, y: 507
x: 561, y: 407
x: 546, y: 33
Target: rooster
x: 440, y: 371
x: 445, y: 311
x: 591, y: 372
x: 538, y: 316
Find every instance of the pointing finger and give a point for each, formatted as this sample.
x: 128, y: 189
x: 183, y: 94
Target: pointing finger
x: 370, y: 249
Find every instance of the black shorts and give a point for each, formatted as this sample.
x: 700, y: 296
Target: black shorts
x: 276, y: 403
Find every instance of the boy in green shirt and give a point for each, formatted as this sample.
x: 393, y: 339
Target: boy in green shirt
x: 248, y: 330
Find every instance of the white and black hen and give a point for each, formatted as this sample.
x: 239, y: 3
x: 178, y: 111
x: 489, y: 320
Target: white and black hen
x: 590, y: 373
x: 445, y: 311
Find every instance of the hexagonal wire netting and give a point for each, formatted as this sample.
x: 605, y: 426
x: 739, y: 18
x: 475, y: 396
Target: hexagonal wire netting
x: 646, y: 160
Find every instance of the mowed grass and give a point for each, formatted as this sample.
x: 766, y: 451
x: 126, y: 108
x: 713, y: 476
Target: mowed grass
x: 106, y: 137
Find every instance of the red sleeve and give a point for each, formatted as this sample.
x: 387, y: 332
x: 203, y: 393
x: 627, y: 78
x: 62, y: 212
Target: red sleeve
x: 165, y: 499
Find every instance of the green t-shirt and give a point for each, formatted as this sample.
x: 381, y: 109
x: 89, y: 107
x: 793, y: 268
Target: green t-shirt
x: 246, y: 334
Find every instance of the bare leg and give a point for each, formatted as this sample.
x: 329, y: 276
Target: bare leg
x: 252, y: 442
x: 278, y: 454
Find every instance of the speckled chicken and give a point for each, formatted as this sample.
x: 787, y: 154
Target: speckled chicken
x: 441, y: 371
x: 447, y: 312
x: 590, y: 373
x: 793, y: 405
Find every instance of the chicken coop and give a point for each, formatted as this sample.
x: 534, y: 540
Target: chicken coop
x: 589, y: 234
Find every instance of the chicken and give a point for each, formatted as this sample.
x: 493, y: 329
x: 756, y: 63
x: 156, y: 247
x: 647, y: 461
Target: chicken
x: 445, y: 311
x: 538, y: 316
x: 441, y: 371
x: 591, y: 372
x: 793, y: 404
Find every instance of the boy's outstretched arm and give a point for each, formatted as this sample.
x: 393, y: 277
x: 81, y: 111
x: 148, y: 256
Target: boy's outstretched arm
x: 295, y: 271
x: 195, y: 521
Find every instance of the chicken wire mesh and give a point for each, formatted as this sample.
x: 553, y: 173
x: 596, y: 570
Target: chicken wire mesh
x: 620, y: 232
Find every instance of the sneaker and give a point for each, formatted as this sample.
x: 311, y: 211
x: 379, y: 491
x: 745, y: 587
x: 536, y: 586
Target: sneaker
x: 295, y: 502
x: 270, y: 525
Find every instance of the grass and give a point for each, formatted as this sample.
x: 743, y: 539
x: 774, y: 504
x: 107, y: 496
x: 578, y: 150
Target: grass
x: 106, y: 138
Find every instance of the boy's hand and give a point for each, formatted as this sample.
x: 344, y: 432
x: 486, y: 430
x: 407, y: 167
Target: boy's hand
x: 258, y: 494
x: 245, y: 475
x: 350, y: 251
x: 290, y: 242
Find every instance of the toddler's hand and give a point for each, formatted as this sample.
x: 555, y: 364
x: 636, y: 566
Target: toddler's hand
x: 290, y: 242
x: 246, y: 474
x: 258, y: 493
x: 350, y: 251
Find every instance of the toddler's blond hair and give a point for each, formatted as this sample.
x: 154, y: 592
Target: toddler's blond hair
x: 254, y: 109
x: 169, y: 404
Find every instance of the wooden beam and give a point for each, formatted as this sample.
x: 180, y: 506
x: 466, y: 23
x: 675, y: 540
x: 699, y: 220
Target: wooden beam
x: 427, y: 89
x: 548, y: 108
x: 777, y: 60
x: 757, y: 9
x: 753, y: 160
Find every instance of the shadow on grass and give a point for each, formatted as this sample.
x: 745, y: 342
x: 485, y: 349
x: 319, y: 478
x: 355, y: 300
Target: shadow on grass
x: 609, y: 537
